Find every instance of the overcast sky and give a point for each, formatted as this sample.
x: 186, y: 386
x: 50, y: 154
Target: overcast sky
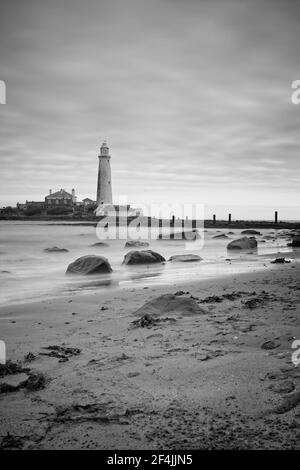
x: 193, y: 97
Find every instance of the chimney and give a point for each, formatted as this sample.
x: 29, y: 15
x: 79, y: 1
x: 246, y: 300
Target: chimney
x: 73, y: 192
x: 50, y: 191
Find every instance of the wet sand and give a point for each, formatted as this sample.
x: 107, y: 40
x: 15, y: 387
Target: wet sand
x: 197, y: 382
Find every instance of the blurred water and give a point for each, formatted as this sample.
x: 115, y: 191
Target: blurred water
x: 28, y: 273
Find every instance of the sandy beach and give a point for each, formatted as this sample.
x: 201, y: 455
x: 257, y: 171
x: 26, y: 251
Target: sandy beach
x: 222, y: 378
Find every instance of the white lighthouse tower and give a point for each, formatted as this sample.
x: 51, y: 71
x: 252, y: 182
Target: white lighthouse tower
x: 104, y: 191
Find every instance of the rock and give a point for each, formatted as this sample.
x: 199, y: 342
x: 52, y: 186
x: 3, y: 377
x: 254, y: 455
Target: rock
x: 244, y: 243
x: 296, y: 241
x: 185, y: 258
x: 286, y: 386
x: 61, y: 352
x: 169, y: 304
x: 280, y: 261
x: 289, y: 402
x: 222, y: 235
x: 135, y: 243
x: 142, y: 257
x: 188, y: 235
x: 12, y: 383
x: 29, y: 357
x: 56, y: 249
x: 145, y: 321
x: 230, y: 233
x: 89, y: 264
x: 99, y: 244
x: 202, y: 356
x: 268, y: 237
x: 270, y: 345
x: 181, y: 292
x: 250, y: 232
x: 11, y: 368
x: 36, y: 381
x: 10, y: 442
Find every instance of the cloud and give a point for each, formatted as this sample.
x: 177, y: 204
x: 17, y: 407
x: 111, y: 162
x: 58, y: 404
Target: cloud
x: 193, y: 97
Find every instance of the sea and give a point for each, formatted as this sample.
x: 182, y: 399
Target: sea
x: 28, y: 273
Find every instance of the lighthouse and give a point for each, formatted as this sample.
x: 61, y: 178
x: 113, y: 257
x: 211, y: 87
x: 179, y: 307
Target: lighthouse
x: 104, y: 191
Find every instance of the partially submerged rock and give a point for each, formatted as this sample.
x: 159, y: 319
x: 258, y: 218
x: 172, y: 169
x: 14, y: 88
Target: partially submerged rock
x: 280, y: 261
x: 296, y: 241
x: 170, y: 304
x: 135, y: 243
x: 222, y: 235
x: 56, y: 249
x: 270, y: 344
x: 99, y: 244
x: 245, y: 243
x: 250, y: 232
x: 143, y: 257
x: 185, y: 258
x: 89, y: 264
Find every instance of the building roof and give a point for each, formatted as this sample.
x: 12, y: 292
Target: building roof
x: 40, y: 203
x: 88, y: 199
x: 62, y: 194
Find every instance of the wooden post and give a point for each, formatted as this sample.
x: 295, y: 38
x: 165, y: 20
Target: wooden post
x: 173, y: 219
x: 276, y: 217
x: 214, y: 219
x: 229, y: 218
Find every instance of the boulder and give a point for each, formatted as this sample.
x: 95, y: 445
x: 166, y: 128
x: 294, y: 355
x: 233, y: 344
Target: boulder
x: 142, y: 257
x: 185, y: 258
x: 250, y: 232
x: 135, y: 243
x: 244, y: 243
x: 55, y: 249
x: 169, y: 304
x: 220, y: 236
x: 270, y: 345
x: 296, y: 241
x: 268, y: 237
x: 188, y: 235
x: 99, y: 244
x: 89, y: 264
x: 280, y: 261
